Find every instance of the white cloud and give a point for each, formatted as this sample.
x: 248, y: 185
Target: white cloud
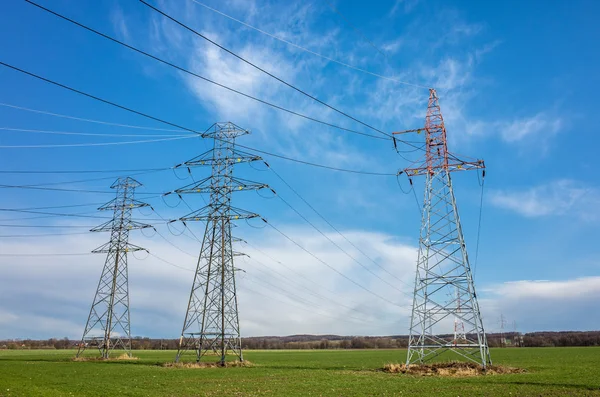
x: 221, y: 67
x: 50, y: 296
x: 392, y: 47
x: 120, y: 24
x: 406, y: 6
x: 546, y: 289
x: 487, y: 48
x: 543, y: 305
x: 294, y: 293
x: 301, y: 138
x: 541, y: 126
x: 555, y: 198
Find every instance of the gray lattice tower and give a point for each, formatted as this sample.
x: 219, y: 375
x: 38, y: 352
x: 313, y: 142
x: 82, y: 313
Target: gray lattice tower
x: 108, y: 324
x: 443, y: 264
x: 211, y: 322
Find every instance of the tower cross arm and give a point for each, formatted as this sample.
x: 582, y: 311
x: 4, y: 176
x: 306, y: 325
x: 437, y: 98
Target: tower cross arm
x: 212, y: 212
x: 231, y: 183
x: 452, y: 166
x: 207, y: 159
x: 116, y: 224
x: 109, y: 247
x: 116, y: 204
x: 417, y: 130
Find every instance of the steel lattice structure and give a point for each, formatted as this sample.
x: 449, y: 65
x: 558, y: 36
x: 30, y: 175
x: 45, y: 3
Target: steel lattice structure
x: 443, y: 264
x: 211, y: 322
x: 108, y: 324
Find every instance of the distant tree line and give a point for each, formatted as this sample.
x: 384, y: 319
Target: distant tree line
x: 509, y: 339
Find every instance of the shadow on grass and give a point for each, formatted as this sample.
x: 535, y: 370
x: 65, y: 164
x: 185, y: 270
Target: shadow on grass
x: 547, y: 384
x: 319, y: 368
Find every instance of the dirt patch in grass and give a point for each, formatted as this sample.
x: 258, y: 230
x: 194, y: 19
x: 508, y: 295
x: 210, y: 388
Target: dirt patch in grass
x: 236, y: 363
x: 122, y: 357
x: 451, y: 369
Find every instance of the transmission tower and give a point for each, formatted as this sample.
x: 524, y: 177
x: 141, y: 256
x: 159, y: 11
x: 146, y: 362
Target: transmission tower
x: 442, y: 259
x: 459, y: 325
x: 211, y: 322
x: 108, y: 324
x: 502, y: 336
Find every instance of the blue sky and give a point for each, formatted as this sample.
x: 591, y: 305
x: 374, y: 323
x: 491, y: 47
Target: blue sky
x: 516, y: 80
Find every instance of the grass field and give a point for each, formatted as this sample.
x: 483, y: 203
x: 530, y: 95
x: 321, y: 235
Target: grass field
x: 550, y: 372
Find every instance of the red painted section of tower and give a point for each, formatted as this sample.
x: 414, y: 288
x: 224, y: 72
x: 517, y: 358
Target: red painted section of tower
x: 437, y: 155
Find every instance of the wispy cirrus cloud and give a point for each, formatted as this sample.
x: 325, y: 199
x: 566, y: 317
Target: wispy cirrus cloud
x: 301, y: 138
x: 525, y: 131
x: 541, y: 126
x: 119, y: 23
x: 405, y: 6
x: 559, y: 197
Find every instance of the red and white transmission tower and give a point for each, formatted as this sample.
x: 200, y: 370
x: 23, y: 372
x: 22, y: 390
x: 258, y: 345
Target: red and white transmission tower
x: 443, y: 261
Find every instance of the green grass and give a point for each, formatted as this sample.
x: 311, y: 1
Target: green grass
x: 551, y: 372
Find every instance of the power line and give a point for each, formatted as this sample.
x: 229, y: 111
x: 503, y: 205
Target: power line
x: 262, y: 264
x: 83, y: 171
x: 306, y: 49
x: 340, y: 248
x: 201, y: 77
x: 245, y: 287
x: 54, y: 207
x: 286, y: 292
x: 169, y: 263
x: 318, y: 165
x: 313, y: 293
x: 94, y: 97
x: 86, y: 120
x: 90, y: 180
x: 174, y: 246
x: 329, y: 266
x: 355, y: 29
x: 333, y: 227
x: 366, y: 39
x: 27, y: 218
x: 54, y: 189
x: 295, y: 298
x: 42, y: 235
x: 49, y: 254
x: 301, y: 275
x: 51, y: 226
x: 479, y: 223
x: 91, y: 144
x: 51, y: 132
x: 76, y: 215
x: 262, y: 70
x: 187, y: 129
x: 66, y: 190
